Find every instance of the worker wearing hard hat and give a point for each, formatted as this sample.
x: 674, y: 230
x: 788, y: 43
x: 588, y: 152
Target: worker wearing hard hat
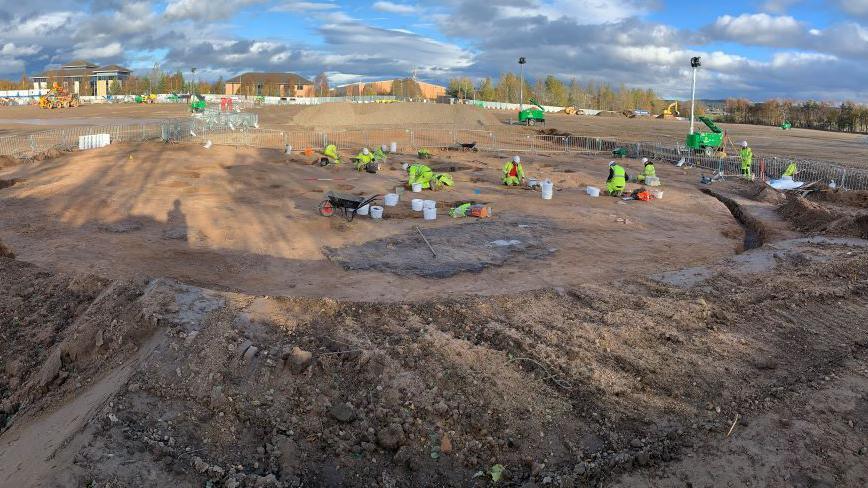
x: 617, y: 179
x: 513, y: 172
x: 363, y: 159
x: 791, y: 170
x: 746, y: 155
x: 647, y: 171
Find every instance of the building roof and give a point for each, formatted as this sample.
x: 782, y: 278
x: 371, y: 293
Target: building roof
x: 112, y: 67
x: 270, y: 78
x: 79, y: 63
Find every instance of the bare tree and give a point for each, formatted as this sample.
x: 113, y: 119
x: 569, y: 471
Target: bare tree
x: 321, y: 84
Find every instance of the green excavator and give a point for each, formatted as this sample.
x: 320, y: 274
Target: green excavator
x: 532, y: 115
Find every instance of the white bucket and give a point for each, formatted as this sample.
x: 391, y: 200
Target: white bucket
x: 416, y: 203
x: 391, y: 199
x: 658, y: 194
x: 376, y: 212
x: 393, y: 147
x: 384, y: 148
x: 429, y: 204
x: 364, y: 210
x: 593, y: 191
x: 417, y: 187
x: 429, y: 213
x: 652, y: 181
x: 288, y: 149
x: 547, y: 189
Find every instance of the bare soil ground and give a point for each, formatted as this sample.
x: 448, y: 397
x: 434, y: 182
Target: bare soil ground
x: 848, y: 149
x: 29, y: 119
x: 176, y: 316
x: 245, y: 220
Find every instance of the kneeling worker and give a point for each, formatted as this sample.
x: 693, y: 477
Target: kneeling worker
x: 648, y: 171
x: 617, y: 179
x: 791, y: 170
x: 418, y: 173
x: 331, y: 155
x: 363, y: 159
x: 513, y: 172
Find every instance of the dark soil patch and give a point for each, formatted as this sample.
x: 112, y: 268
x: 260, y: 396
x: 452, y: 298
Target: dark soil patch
x: 826, y: 219
x: 9, y: 183
x: 468, y: 247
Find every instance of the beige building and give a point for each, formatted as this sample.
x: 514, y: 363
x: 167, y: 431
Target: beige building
x: 384, y: 87
x: 82, y: 78
x: 270, y: 85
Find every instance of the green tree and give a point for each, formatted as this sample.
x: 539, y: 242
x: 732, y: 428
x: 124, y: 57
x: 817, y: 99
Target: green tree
x: 486, y: 90
x: 461, y: 88
x: 555, y: 92
x: 219, y: 86
x: 114, y: 88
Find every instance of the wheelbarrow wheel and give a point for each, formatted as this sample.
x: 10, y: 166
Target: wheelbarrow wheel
x: 326, y: 209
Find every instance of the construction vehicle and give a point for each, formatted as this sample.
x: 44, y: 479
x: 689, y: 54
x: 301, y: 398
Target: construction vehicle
x: 671, y: 111
x: 707, y: 142
x: 150, y: 98
x: 570, y: 110
x: 58, y: 97
x: 532, y: 115
x: 197, y: 104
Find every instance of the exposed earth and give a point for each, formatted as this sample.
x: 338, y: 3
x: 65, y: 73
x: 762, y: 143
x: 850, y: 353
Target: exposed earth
x: 179, y: 316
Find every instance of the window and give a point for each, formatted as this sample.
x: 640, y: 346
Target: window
x: 299, y: 87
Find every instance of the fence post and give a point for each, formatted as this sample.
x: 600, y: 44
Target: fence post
x: 843, y: 178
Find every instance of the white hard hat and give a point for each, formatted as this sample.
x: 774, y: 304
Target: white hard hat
x: 405, y: 166
x: 644, y: 160
x: 743, y: 143
x: 365, y: 151
x: 516, y: 159
x: 612, y: 163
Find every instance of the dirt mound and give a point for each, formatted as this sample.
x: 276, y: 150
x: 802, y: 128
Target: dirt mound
x: 857, y: 199
x: 827, y: 219
x: 574, y: 386
x: 611, y: 113
x: 393, y: 114
x: 553, y: 132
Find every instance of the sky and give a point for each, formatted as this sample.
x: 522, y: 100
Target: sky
x: 797, y: 49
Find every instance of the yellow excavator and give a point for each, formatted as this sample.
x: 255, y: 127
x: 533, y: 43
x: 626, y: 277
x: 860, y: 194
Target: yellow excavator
x: 58, y: 97
x: 670, y: 112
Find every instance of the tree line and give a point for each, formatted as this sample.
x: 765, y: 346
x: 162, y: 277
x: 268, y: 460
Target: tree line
x: 550, y: 90
x: 809, y: 114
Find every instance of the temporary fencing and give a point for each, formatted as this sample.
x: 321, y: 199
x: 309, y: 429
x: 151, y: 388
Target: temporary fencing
x: 503, y: 139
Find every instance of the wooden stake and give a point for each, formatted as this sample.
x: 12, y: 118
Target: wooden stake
x: 426, y: 241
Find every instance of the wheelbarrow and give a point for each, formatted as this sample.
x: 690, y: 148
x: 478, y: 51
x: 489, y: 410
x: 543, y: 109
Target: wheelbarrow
x: 344, y: 203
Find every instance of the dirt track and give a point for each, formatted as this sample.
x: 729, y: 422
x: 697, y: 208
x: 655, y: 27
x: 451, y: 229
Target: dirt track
x: 178, y: 316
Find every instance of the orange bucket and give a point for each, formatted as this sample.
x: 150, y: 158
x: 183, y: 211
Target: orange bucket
x: 308, y: 151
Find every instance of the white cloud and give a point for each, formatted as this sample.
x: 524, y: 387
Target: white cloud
x: 395, y: 8
x: 300, y: 6
x: 778, y: 6
x: 110, y: 50
x: 763, y: 29
x: 853, y: 7
x: 205, y: 9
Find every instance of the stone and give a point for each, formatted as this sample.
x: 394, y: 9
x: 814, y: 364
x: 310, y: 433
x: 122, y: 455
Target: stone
x: 391, y: 437
x: 342, y: 412
x: 199, y: 465
x: 299, y: 359
x: 51, y: 367
x: 248, y: 356
x: 636, y: 443
x: 403, y: 456
x: 445, y: 444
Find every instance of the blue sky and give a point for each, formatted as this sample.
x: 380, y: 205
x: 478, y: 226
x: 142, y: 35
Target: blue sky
x: 772, y: 48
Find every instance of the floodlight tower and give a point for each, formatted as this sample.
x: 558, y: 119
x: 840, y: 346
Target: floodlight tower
x: 695, y: 64
x: 521, y: 62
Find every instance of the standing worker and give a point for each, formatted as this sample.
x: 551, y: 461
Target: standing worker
x: 617, y: 179
x: 791, y: 170
x: 513, y: 172
x: 647, y: 171
x: 746, y: 154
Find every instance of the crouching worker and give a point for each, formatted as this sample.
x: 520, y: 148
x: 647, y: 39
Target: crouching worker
x: 647, y: 171
x: 365, y: 161
x: 440, y: 180
x: 513, y: 172
x: 379, y: 155
x: 617, y: 180
x: 330, y: 156
x: 791, y: 170
x: 418, y: 173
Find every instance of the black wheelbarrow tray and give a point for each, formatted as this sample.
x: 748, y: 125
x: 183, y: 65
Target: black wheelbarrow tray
x: 345, y: 203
